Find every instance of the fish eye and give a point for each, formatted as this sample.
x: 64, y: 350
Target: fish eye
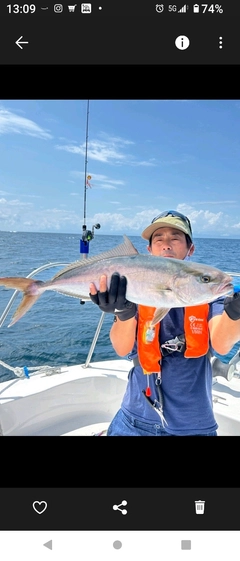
x: 205, y: 278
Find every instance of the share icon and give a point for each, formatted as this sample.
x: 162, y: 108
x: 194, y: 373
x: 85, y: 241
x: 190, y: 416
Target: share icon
x: 122, y: 510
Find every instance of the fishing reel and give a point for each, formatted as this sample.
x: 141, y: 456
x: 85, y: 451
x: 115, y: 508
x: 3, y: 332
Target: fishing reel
x: 88, y: 235
x: 97, y: 226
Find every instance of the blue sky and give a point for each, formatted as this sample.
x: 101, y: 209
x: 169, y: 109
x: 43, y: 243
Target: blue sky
x: 144, y: 156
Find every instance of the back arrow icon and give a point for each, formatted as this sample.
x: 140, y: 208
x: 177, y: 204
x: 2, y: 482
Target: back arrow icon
x: 19, y: 43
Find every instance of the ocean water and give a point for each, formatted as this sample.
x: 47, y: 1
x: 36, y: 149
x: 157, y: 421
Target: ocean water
x: 58, y: 330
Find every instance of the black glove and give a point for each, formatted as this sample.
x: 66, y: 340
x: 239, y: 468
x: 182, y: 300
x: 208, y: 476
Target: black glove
x: 114, y: 301
x: 232, y: 306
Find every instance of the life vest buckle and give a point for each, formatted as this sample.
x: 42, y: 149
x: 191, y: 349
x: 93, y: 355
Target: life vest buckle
x: 177, y: 344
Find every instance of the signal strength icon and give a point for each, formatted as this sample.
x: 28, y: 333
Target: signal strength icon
x: 183, y: 9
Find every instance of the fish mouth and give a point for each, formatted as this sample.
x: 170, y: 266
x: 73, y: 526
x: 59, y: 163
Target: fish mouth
x: 225, y: 288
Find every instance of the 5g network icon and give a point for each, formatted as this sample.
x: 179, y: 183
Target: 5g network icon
x: 159, y: 8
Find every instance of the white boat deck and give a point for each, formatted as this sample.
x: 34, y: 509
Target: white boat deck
x: 226, y: 405
x: 80, y: 401
x: 76, y: 401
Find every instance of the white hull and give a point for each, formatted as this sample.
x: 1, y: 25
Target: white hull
x: 80, y: 401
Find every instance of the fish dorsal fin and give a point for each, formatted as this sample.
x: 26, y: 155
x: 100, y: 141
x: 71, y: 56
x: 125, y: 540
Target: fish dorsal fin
x: 122, y: 250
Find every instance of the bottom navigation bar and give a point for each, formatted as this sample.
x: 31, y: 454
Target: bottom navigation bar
x: 180, y: 546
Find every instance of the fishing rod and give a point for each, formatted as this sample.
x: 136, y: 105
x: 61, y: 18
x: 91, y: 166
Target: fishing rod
x: 87, y: 235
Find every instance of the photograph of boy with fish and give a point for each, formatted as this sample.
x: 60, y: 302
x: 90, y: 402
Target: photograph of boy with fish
x: 169, y: 316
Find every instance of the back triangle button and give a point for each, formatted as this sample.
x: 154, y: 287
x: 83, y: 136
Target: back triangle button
x: 48, y: 544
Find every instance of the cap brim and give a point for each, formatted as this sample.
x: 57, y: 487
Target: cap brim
x: 171, y: 221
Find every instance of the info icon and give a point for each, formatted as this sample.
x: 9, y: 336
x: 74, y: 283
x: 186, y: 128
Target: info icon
x: 182, y: 42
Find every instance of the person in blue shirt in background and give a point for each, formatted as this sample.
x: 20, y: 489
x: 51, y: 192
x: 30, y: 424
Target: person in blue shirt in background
x: 178, y: 400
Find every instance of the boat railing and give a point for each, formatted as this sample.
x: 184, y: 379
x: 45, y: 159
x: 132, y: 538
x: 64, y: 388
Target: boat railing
x: 94, y: 341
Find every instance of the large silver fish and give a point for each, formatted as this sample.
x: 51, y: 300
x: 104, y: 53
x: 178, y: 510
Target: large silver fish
x: 161, y: 282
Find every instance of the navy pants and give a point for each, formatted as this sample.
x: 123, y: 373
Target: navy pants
x: 126, y: 425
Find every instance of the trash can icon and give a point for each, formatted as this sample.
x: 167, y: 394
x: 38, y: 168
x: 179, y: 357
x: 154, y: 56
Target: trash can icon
x: 199, y: 507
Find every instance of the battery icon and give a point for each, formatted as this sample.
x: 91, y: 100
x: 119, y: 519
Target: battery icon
x: 196, y: 8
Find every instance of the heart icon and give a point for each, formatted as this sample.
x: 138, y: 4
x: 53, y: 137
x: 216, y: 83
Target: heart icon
x: 39, y: 506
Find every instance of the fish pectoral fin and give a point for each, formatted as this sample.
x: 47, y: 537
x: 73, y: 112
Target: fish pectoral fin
x: 159, y: 314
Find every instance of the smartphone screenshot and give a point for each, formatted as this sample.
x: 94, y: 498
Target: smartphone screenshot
x: 117, y: 145
x: 119, y: 280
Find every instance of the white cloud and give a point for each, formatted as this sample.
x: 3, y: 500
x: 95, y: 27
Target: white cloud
x: 205, y: 220
x: 143, y: 163
x: 20, y: 216
x: 105, y: 186
x: 109, y: 149
x: 53, y: 219
x: 117, y: 139
x: 14, y: 202
x: 12, y: 213
x: 10, y: 123
x: 119, y: 222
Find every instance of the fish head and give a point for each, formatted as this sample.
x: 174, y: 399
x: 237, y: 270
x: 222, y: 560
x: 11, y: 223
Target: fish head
x: 197, y: 283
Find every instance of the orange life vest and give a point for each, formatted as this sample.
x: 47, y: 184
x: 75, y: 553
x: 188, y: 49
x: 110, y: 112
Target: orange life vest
x: 195, y: 330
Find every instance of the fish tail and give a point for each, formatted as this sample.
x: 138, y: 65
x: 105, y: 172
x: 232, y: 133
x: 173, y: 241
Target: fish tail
x: 31, y: 293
